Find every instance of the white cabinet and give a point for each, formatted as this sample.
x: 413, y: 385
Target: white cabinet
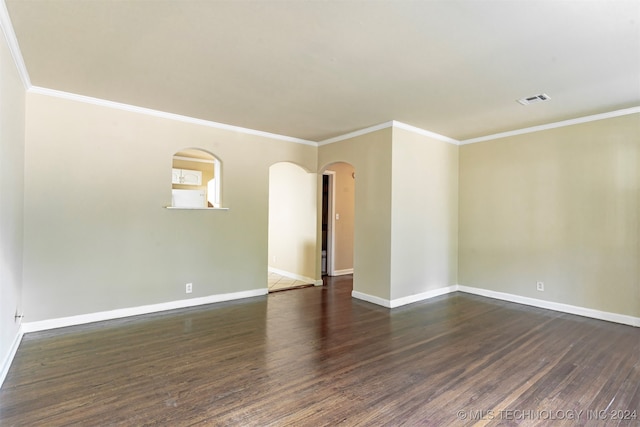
x: 175, y: 176
x: 186, y: 177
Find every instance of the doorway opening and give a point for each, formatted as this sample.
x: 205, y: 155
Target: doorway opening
x: 328, y: 180
x: 338, y: 219
x: 292, y: 227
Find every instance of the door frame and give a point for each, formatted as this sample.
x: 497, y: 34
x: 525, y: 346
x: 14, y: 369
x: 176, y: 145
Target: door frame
x: 331, y: 221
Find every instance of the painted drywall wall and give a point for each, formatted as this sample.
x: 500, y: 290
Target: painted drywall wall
x: 424, y: 214
x: 292, y: 220
x: 370, y: 155
x: 559, y: 206
x: 95, y: 239
x: 12, y: 107
x: 344, y: 199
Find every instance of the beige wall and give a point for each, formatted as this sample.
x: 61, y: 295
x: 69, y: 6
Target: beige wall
x: 370, y: 155
x: 97, y: 240
x: 559, y: 206
x: 12, y: 104
x: 424, y: 214
x: 292, y: 220
x: 344, y: 199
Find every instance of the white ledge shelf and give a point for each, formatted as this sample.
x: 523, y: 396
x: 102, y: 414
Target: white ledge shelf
x: 195, y: 208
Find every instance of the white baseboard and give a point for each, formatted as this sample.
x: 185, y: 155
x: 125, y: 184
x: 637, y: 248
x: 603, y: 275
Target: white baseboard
x: 343, y: 272
x: 135, y: 311
x: 423, y: 296
x: 404, y: 300
x: 549, y: 305
x: 371, y: 298
x: 556, y: 306
x: 6, y: 363
x: 295, y: 276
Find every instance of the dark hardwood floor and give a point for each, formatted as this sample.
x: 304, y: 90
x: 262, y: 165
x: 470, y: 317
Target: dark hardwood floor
x: 315, y: 357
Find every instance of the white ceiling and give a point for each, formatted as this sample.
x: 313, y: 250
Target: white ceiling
x: 318, y: 69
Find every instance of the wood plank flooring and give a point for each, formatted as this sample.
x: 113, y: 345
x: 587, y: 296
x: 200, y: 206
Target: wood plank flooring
x: 316, y: 357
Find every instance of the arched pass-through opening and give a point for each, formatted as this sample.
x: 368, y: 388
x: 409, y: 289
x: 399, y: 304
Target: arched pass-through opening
x: 338, y: 219
x: 195, y: 180
x: 292, y: 227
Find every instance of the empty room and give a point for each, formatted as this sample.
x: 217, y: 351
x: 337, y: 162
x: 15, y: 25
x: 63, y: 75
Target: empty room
x: 318, y: 213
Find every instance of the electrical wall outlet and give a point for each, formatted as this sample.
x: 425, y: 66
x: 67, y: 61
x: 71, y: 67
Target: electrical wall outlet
x: 188, y: 288
x: 540, y: 286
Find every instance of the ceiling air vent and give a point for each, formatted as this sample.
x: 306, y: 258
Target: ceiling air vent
x: 533, y: 99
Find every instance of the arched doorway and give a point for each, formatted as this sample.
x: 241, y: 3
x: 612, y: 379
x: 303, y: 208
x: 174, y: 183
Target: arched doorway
x: 292, y: 227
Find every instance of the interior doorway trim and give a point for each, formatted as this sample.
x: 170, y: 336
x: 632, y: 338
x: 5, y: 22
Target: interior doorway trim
x: 331, y: 222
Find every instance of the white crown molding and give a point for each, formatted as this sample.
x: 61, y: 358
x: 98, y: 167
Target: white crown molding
x: 12, y: 42
x: 425, y: 132
x: 392, y: 123
x: 81, y: 319
x: 14, y: 48
x: 555, y: 125
x: 156, y: 113
x: 356, y: 133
